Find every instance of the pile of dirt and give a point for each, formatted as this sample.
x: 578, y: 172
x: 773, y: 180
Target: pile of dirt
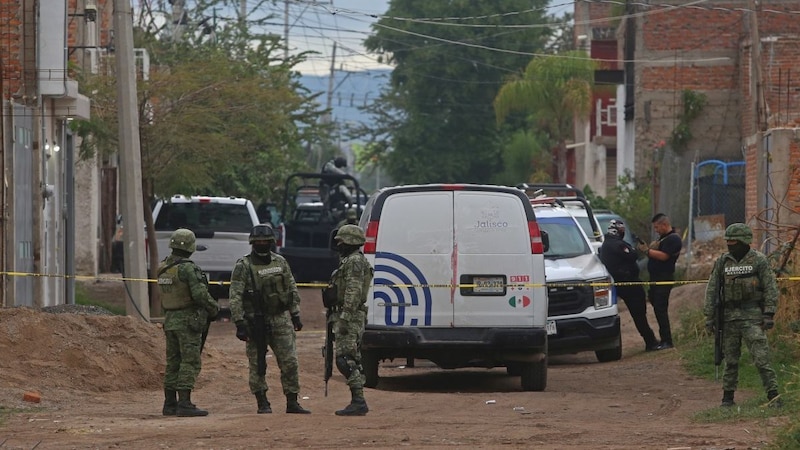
x: 91, y: 352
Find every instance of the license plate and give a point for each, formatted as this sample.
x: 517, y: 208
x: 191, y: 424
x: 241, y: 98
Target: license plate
x: 488, y: 285
x: 550, y: 327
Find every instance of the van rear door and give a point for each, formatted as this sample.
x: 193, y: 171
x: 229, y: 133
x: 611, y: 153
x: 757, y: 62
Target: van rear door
x: 446, y: 258
x: 414, y: 248
x: 493, y: 251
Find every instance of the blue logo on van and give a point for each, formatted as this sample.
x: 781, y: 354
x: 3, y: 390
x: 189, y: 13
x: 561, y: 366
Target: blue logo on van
x: 392, y: 269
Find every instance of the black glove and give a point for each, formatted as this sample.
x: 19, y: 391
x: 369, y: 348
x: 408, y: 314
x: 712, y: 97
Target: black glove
x: 296, y: 322
x: 241, y: 331
x: 766, y: 322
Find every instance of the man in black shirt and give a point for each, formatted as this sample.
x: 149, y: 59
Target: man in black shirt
x: 662, y: 255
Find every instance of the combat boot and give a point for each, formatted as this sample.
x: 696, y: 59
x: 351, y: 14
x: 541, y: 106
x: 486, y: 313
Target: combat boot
x: 357, y: 406
x: 292, y: 407
x: 263, y: 404
x: 185, y: 406
x: 774, y: 399
x: 170, y: 402
x: 727, y: 399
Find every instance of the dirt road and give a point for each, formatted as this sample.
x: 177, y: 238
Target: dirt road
x: 100, y: 384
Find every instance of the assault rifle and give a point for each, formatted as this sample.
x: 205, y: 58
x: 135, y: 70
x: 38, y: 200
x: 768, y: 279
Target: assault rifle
x: 719, y: 318
x: 259, y: 325
x: 329, y: 300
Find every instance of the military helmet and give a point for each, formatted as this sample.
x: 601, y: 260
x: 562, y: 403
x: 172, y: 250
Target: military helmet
x: 350, y: 235
x: 340, y: 162
x: 739, y: 232
x: 183, y: 239
x: 351, y: 214
x: 262, y: 232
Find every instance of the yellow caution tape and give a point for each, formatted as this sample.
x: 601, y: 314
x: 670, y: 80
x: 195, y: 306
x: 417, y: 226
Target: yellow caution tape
x: 397, y: 285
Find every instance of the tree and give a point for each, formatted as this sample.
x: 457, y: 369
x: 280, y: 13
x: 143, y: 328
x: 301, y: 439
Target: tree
x: 553, y: 90
x: 435, y: 122
x: 219, y: 118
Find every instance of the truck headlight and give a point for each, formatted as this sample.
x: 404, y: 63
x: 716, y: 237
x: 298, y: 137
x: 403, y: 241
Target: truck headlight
x: 602, y: 293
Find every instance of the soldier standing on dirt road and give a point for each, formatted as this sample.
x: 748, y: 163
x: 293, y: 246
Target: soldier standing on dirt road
x: 749, y: 295
x: 188, y: 309
x: 351, y: 280
x: 262, y: 283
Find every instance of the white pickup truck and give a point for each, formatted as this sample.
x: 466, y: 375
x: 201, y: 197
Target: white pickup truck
x: 222, y: 226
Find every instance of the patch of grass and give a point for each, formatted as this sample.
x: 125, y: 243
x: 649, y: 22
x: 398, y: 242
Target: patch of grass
x: 82, y: 298
x: 697, y: 354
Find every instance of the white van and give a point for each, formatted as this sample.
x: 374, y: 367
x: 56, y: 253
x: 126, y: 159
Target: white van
x: 459, y: 280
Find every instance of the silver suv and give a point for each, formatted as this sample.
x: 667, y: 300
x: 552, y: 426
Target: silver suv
x: 582, y: 314
x: 222, y: 225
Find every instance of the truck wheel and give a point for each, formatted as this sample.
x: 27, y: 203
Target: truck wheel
x: 534, y: 375
x: 612, y: 354
x: 369, y: 362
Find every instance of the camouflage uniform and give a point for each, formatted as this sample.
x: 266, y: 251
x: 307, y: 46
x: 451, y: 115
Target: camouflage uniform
x: 352, y: 280
x: 750, y: 297
x: 188, y: 307
x: 277, y: 299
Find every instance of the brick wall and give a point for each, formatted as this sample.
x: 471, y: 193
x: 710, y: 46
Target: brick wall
x: 10, y: 50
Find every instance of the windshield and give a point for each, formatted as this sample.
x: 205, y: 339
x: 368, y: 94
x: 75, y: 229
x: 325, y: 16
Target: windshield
x: 566, y: 239
x: 200, y: 217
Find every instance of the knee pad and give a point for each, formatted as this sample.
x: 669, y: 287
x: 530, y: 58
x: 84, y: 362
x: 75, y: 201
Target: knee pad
x: 344, y: 366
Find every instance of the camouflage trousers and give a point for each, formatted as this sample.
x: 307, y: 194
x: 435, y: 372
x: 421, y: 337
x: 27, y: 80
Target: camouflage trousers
x: 283, y: 345
x: 183, y: 359
x: 749, y: 331
x: 348, y: 345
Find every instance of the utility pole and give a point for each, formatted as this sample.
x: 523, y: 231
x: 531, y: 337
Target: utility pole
x: 327, y: 117
x: 178, y: 19
x: 759, y: 114
x: 286, y: 30
x: 130, y: 164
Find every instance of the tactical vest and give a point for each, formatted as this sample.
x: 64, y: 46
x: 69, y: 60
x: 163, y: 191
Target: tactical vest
x: 273, y: 284
x: 742, y: 287
x: 175, y: 293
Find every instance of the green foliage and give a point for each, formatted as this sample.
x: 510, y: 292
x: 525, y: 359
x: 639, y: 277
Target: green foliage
x: 553, y: 90
x: 436, y: 122
x: 223, y: 117
x: 693, y: 104
x: 525, y: 159
x: 631, y: 199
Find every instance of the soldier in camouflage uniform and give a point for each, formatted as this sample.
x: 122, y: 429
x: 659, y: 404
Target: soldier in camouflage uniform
x: 189, y: 308
x: 748, y: 290
x: 262, y: 283
x: 351, y: 279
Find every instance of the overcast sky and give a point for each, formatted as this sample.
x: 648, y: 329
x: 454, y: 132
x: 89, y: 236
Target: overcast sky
x: 318, y: 25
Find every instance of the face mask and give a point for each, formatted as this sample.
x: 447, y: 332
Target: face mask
x: 262, y: 249
x: 738, y: 250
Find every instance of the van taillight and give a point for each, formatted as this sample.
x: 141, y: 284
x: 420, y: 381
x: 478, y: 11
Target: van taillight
x: 536, y: 238
x: 279, y: 237
x: 372, y: 237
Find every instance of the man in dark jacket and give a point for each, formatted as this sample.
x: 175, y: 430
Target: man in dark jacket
x: 620, y: 260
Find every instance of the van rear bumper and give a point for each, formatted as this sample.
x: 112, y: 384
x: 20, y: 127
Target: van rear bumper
x: 506, y: 339
x: 581, y: 334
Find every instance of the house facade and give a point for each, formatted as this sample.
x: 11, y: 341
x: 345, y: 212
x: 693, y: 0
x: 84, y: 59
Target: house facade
x: 751, y: 93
